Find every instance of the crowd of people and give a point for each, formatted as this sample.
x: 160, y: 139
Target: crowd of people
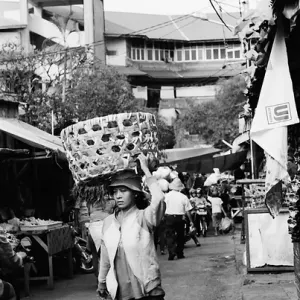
x: 144, y: 217
x: 135, y: 219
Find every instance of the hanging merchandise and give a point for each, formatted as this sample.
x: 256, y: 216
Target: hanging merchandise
x: 276, y: 110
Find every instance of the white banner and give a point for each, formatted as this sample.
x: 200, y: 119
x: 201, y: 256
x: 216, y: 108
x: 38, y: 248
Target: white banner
x: 276, y: 109
x: 276, y: 106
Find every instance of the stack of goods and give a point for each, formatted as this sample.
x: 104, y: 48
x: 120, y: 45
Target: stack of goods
x: 255, y: 196
x: 11, y: 225
x: 100, y: 147
x: 294, y: 209
x: 165, y: 175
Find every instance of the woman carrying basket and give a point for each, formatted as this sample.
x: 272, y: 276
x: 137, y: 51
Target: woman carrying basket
x: 129, y: 266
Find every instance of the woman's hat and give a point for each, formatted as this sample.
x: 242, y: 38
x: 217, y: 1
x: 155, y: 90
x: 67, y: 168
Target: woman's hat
x: 128, y: 179
x: 176, y: 185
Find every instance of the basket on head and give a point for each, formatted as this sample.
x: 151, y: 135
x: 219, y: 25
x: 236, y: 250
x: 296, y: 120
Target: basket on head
x: 106, y: 145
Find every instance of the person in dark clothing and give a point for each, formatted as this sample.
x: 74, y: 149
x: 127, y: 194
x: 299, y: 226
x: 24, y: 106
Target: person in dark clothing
x: 239, y: 173
x: 199, y: 181
x: 10, y: 263
x: 225, y: 196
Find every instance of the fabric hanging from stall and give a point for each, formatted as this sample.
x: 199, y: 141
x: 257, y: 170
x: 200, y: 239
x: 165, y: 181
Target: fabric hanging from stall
x: 276, y: 110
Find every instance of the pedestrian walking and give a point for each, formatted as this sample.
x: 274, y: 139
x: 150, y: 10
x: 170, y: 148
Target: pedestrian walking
x: 129, y: 266
x: 217, y: 208
x: 177, y: 205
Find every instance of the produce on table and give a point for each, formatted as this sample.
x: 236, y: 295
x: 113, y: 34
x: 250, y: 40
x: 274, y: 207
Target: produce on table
x: 32, y: 221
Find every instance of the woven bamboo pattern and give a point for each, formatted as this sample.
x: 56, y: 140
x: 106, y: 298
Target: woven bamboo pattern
x: 106, y: 145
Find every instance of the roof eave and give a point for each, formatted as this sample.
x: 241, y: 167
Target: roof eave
x: 17, y: 26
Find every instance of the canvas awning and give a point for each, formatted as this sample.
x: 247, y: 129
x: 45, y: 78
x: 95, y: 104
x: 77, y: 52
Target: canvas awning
x: 186, y: 155
x: 30, y: 135
x: 201, y: 160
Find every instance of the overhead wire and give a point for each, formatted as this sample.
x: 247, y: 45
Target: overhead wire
x: 224, y: 3
x: 144, y: 30
x: 221, y: 7
x: 214, y: 8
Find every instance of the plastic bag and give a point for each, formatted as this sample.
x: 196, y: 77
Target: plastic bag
x: 226, y: 224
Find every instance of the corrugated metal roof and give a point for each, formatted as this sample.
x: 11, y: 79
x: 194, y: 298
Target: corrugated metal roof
x: 30, y: 135
x: 184, y: 27
x: 179, y: 27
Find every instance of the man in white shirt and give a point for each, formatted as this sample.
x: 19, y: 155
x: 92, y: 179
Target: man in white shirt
x: 177, y: 205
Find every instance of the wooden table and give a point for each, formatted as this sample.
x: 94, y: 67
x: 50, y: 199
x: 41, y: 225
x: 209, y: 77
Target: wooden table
x: 52, y: 241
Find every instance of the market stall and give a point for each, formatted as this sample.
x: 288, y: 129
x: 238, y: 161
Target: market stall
x: 53, y: 239
x: 34, y: 181
x: 268, y: 243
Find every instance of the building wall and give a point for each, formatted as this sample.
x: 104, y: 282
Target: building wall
x: 140, y: 92
x: 48, y: 30
x: 196, y: 91
x: 116, y: 52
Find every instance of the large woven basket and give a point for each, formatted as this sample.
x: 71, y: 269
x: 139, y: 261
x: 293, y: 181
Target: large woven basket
x: 104, y: 146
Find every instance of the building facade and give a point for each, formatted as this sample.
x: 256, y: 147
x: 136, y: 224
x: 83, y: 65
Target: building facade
x: 169, y: 60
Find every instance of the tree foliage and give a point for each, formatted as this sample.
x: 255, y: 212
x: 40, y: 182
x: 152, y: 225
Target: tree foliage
x: 217, y: 120
x: 34, y: 78
x: 38, y: 80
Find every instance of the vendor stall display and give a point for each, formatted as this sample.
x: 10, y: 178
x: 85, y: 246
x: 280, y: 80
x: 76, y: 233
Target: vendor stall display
x: 53, y: 241
x: 268, y: 244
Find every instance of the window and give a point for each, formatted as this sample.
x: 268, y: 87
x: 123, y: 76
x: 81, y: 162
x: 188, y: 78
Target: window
x: 223, y: 53
x: 156, y: 55
x: 138, y: 54
x: 237, y: 53
x: 187, y: 54
x: 200, y: 54
x: 150, y: 54
x: 234, y: 51
x: 179, y: 55
x: 230, y: 54
x: 216, y: 53
x: 194, y: 53
x: 152, y: 51
x: 208, y: 54
x: 111, y: 52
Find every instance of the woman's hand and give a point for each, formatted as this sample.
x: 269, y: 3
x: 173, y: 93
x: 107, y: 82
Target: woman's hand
x: 102, y: 292
x: 144, y: 164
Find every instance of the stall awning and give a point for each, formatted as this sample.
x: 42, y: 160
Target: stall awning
x: 204, y: 162
x: 30, y: 135
x: 185, y: 155
x: 223, y: 162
